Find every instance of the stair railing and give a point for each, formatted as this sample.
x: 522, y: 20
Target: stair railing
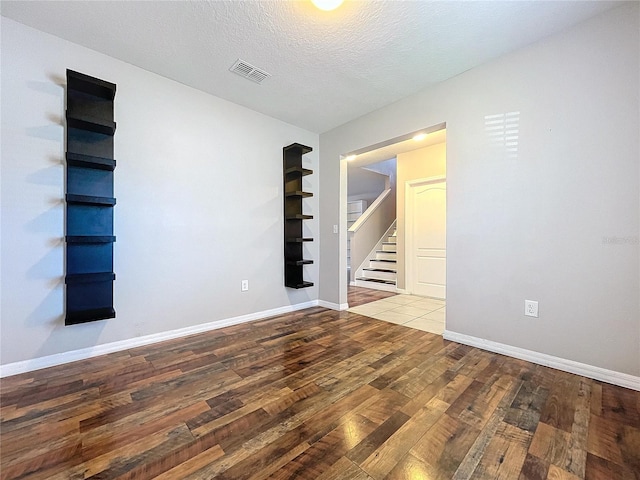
x: 367, y: 231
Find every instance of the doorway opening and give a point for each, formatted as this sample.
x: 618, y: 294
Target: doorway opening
x: 398, y: 274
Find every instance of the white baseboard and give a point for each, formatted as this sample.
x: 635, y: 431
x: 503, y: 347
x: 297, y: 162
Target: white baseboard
x: 333, y: 306
x: 84, y: 353
x: 597, y: 373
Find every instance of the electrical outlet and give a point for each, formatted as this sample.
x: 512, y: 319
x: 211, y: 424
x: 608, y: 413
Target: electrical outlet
x: 531, y: 308
x: 244, y: 286
x: 335, y: 229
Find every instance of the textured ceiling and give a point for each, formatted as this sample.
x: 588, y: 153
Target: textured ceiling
x: 327, y: 67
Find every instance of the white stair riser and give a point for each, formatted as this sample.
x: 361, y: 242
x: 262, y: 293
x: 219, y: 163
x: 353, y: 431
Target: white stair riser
x: 376, y: 286
x: 380, y: 275
x: 385, y: 250
x: 386, y: 265
x: 386, y: 255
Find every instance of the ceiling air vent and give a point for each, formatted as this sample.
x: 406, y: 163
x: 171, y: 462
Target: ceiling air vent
x: 248, y: 71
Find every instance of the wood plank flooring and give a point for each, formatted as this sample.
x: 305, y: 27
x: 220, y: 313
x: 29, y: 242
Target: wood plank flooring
x: 359, y: 295
x: 316, y: 394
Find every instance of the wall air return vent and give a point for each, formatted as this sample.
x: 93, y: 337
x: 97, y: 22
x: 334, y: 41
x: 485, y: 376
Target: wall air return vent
x: 248, y: 71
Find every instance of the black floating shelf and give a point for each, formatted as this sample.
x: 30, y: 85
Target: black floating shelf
x: 90, y: 85
x: 83, y: 316
x: 91, y: 124
x: 90, y: 200
x: 90, y: 239
x: 299, y: 262
x: 299, y: 239
x: 89, y: 161
x: 90, y: 277
x: 298, y: 171
x: 298, y: 193
x: 299, y: 285
x: 294, y: 194
x: 298, y: 148
x: 90, y: 130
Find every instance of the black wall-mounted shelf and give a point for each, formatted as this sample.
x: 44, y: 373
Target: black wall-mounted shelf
x: 90, y: 277
x: 90, y: 201
x: 90, y: 315
x: 89, y: 161
x: 93, y: 87
x: 90, y: 124
x: 298, y: 171
x: 298, y: 193
x: 299, y: 262
x: 302, y: 284
x: 293, y: 196
x: 90, y: 239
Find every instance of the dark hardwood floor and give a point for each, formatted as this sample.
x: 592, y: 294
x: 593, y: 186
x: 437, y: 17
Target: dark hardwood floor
x: 359, y: 296
x: 315, y: 394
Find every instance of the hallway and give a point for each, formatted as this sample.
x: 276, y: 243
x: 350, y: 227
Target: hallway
x: 421, y: 313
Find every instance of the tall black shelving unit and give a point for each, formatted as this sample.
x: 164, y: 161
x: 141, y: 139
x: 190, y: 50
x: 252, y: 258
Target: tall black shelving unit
x: 89, y: 199
x: 293, y: 215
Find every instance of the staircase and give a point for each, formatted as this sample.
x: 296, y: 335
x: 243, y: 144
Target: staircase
x: 381, y: 273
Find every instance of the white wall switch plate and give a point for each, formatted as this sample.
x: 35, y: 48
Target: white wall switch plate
x: 245, y: 285
x: 531, y: 308
x: 335, y: 229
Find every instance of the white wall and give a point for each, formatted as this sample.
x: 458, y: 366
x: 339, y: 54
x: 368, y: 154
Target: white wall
x: 530, y: 227
x: 199, y: 191
x: 365, y: 185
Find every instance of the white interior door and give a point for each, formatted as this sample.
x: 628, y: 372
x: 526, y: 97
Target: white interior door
x: 426, y: 237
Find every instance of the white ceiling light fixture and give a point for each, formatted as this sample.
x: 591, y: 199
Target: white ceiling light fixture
x: 248, y: 71
x: 327, y: 5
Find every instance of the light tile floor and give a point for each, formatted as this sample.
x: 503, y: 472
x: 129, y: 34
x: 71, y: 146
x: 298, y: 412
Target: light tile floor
x: 422, y: 313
